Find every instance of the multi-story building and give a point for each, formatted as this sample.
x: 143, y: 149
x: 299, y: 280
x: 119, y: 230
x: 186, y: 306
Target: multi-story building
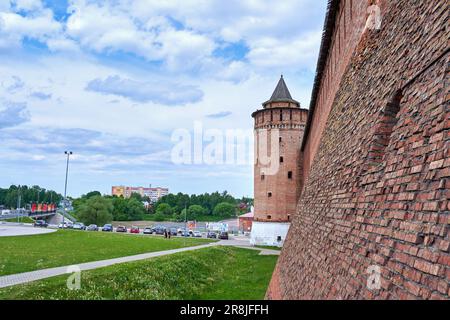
x: 153, y: 193
x: 279, y: 128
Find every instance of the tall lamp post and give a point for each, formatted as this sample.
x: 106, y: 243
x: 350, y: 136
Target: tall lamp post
x: 68, y: 153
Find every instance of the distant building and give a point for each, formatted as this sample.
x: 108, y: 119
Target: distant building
x: 153, y: 193
x: 245, y: 222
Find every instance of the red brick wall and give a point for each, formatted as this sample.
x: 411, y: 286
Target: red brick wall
x: 349, y: 26
x: 378, y: 187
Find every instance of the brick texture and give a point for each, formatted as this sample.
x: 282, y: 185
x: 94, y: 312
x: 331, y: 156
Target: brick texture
x: 376, y: 162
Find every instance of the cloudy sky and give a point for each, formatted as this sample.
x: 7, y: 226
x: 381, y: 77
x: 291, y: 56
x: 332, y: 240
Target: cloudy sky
x: 112, y: 81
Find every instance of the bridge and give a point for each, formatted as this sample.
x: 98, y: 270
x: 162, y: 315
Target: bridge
x: 20, y: 213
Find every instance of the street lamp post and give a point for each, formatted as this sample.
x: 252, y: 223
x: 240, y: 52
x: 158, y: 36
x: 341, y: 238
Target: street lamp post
x: 68, y: 153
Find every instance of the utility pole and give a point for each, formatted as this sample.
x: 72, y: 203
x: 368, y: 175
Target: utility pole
x: 68, y: 153
x: 185, y: 223
x: 18, y: 203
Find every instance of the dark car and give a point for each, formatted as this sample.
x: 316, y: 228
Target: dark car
x: 92, y: 227
x: 212, y: 235
x: 159, y: 230
x: 223, y: 235
x: 40, y: 223
x: 173, y: 231
x: 107, y: 228
x: 185, y: 233
x: 121, y: 229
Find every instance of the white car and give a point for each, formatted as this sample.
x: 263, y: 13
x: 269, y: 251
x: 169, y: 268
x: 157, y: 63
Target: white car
x: 197, y: 234
x: 66, y: 225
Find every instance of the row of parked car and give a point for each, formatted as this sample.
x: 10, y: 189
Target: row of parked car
x: 161, y: 230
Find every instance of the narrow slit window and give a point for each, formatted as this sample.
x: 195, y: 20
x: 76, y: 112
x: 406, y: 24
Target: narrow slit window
x: 289, y: 174
x: 281, y: 115
x: 281, y: 159
x: 262, y: 177
x: 269, y: 194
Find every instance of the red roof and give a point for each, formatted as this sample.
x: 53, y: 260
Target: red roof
x: 247, y: 215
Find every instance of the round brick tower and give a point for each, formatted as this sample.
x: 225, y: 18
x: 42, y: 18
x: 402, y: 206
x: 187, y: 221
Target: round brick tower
x: 279, y: 128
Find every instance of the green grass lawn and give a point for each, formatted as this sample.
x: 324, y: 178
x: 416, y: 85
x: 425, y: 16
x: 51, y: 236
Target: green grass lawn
x: 21, y: 220
x: 65, y: 247
x: 269, y: 247
x: 212, y: 273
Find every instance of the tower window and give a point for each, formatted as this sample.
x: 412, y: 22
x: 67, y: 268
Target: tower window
x: 271, y: 115
x: 281, y: 159
x: 289, y: 217
x: 269, y: 194
x: 281, y: 115
x: 290, y: 114
x: 269, y: 217
x: 289, y: 174
x: 262, y: 177
x: 279, y: 139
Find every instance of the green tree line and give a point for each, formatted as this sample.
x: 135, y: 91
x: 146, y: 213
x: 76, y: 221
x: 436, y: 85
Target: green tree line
x: 97, y: 209
x: 34, y: 194
x: 203, y: 206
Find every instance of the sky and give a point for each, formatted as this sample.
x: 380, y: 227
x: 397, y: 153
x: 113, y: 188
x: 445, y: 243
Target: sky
x: 113, y: 81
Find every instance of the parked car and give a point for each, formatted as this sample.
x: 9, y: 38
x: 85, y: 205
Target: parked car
x: 66, y: 225
x: 148, y: 230
x: 134, y: 229
x: 197, y: 234
x: 173, y: 231
x: 79, y: 226
x: 40, y: 223
x: 121, y: 229
x: 92, y: 227
x: 185, y: 233
x: 223, y: 235
x: 108, y: 228
x: 212, y: 235
x: 159, y: 230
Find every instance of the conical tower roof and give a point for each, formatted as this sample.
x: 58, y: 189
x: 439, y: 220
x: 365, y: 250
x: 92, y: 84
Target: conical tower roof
x: 281, y: 91
x: 281, y: 94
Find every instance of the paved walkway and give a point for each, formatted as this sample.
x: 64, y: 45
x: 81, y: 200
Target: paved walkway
x: 20, y: 278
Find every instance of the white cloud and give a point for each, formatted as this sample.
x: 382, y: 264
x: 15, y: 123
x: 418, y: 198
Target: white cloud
x: 152, y: 91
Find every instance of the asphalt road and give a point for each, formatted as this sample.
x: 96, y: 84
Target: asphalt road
x: 7, y: 230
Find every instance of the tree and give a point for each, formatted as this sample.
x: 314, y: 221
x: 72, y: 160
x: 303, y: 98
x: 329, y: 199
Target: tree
x: 195, y: 211
x: 164, y: 209
x: 134, y: 209
x: 92, y: 194
x: 225, y: 209
x: 96, y: 210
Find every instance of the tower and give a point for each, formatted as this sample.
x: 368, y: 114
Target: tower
x: 278, y: 128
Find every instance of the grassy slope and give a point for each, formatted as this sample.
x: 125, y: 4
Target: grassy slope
x: 65, y: 247
x: 212, y: 273
x: 21, y: 220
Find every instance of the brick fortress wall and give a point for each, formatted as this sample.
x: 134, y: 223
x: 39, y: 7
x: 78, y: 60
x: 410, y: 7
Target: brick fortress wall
x: 376, y: 161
